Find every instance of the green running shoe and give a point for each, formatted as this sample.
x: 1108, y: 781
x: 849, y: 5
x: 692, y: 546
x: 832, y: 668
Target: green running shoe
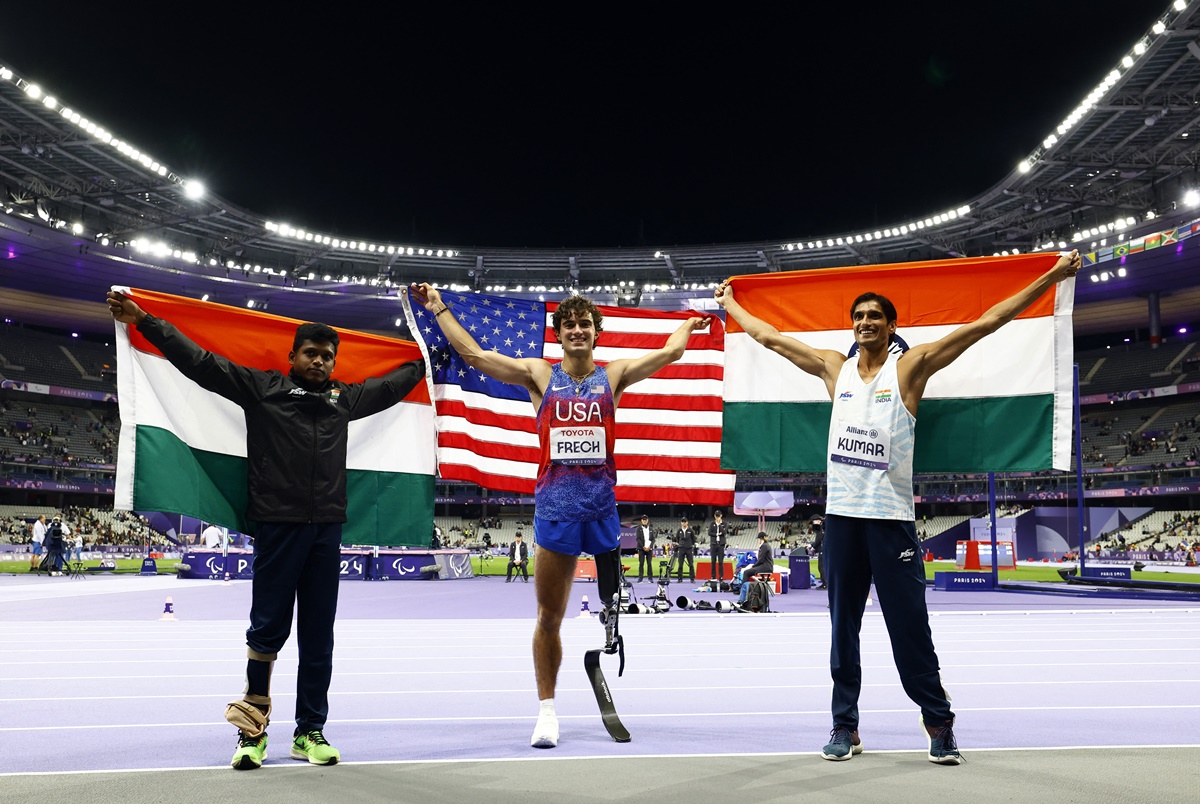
x: 315, y: 748
x: 251, y: 752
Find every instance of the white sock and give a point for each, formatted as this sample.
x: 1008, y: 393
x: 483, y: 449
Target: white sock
x: 545, y: 732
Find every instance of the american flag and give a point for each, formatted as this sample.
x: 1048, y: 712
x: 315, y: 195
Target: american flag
x: 668, y: 446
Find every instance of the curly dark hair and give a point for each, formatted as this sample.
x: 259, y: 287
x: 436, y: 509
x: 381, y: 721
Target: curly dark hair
x: 574, y: 307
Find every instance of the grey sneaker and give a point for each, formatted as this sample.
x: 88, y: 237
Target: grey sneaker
x: 943, y: 749
x: 843, y: 744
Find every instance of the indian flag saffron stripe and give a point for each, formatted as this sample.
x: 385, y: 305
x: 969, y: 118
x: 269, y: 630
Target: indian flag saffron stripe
x: 183, y: 449
x: 1004, y: 405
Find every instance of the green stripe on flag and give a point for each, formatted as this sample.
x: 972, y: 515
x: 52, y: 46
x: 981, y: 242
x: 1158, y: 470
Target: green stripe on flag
x: 171, y: 476
x: 775, y: 436
x: 385, y: 508
x: 995, y: 434
x: 389, y: 508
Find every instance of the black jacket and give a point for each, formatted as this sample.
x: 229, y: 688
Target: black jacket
x: 717, y: 534
x: 295, y: 439
x: 515, y: 555
x: 764, y: 563
x: 685, y: 540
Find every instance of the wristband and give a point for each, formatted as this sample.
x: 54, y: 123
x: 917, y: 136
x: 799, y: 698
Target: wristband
x: 439, y: 312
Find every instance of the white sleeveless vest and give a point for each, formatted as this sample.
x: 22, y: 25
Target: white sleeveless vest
x: 870, y: 451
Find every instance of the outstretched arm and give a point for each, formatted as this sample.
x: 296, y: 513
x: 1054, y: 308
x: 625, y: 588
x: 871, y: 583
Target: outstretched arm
x: 823, y: 363
x: 624, y: 373
x: 922, y: 362
x: 530, y: 373
x: 209, y: 370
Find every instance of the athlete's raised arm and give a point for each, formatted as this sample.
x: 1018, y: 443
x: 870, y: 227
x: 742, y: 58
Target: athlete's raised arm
x: 823, y: 363
x: 531, y: 373
x: 923, y: 361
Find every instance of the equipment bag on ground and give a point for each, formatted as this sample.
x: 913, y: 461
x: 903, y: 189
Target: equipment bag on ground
x: 758, y: 599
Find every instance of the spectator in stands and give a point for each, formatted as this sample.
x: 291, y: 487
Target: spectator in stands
x: 870, y: 521
x: 297, y: 498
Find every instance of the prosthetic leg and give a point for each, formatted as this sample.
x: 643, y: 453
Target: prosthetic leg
x: 608, y: 580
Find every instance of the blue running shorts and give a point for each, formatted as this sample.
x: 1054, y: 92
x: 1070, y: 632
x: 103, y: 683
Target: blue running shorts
x: 573, y: 538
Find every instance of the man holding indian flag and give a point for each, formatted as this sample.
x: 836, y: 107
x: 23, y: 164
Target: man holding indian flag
x: 297, y: 430
x: 869, y: 525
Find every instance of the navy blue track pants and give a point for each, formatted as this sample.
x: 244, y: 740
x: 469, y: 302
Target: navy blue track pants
x: 298, y: 565
x: 857, y: 551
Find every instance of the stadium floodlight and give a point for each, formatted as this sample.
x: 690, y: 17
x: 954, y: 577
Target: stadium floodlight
x: 1024, y: 166
x: 1159, y: 27
x: 1121, y: 272
x: 193, y: 189
x: 33, y: 91
x: 77, y: 228
x: 1191, y: 198
x: 50, y: 102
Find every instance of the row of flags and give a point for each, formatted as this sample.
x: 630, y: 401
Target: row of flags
x: 727, y: 405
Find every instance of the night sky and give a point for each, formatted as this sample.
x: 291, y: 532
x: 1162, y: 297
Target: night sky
x: 585, y: 125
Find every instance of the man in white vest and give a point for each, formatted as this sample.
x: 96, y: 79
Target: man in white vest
x: 870, y: 529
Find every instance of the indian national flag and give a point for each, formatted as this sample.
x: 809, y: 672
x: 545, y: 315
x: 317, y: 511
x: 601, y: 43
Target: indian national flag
x: 1003, y: 406
x: 183, y: 450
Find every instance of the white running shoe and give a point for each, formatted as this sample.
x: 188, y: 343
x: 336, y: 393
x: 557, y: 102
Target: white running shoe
x: 545, y: 733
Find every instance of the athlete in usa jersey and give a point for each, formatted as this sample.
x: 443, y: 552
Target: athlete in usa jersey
x: 577, y: 427
x: 576, y: 508
x: 869, y: 530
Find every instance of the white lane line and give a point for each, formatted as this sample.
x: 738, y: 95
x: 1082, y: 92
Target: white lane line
x: 283, y: 767
x: 681, y: 655
x: 672, y: 669
x: 625, y: 688
x: 635, y: 716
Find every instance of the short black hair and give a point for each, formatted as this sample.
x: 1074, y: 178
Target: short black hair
x: 317, y: 333
x: 762, y: 534
x: 889, y: 309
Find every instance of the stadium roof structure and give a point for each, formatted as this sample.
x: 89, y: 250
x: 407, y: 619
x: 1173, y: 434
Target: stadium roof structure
x: 83, y: 208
